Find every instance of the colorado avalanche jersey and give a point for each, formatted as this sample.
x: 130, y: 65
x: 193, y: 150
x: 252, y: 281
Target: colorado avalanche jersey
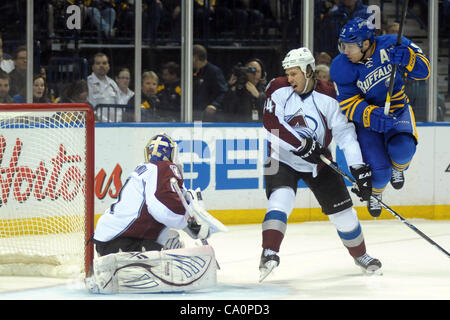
x: 146, y: 204
x: 359, y: 85
x: 289, y: 116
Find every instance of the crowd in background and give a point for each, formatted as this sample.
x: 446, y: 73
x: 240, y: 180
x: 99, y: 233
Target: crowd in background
x: 235, y: 94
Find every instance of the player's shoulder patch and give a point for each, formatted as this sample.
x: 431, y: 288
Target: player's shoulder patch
x: 276, y: 84
x: 342, y: 70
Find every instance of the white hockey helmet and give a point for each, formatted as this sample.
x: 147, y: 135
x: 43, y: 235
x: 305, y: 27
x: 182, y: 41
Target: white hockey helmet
x: 300, y: 57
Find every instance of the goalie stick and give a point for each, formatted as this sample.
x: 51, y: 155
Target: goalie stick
x: 387, y: 104
x: 333, y: 166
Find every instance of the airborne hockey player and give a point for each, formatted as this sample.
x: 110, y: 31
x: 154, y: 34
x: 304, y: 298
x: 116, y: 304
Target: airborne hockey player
x: 361, y: 74
x: 138, y: 247
x: 301, y: 122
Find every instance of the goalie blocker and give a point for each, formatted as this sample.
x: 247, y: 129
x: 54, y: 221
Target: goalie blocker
x: 175, y: 270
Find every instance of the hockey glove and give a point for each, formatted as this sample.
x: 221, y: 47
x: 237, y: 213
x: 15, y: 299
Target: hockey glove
x: 363, y: 177
x: 311, y: 151
x: 375, y: 119
x: 403, y: 56
x: 197, y: 231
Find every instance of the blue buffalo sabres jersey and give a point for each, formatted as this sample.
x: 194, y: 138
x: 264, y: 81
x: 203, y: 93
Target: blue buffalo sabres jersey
x: 363, y: 84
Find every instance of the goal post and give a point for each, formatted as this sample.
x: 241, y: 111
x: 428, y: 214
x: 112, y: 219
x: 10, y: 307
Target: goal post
x: 46, y: 189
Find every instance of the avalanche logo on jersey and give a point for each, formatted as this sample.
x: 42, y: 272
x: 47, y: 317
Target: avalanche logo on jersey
x: 299, y: 123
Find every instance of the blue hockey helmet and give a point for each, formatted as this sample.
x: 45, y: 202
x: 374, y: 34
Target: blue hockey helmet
x: 356, y: 31
x: 161, y: 148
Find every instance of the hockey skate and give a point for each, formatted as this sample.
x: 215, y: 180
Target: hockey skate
x: 374, y: 206
x: 368, y: 264
x: 397, y: 179
x: 267, y: 264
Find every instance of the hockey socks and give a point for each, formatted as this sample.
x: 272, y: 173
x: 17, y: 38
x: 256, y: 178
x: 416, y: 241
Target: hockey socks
x: 349, y: 230
x: 354, y: 241
x: 281, y: 202
x: 274, y: 227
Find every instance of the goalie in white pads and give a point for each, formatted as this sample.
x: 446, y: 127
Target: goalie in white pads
x: 138, y: 247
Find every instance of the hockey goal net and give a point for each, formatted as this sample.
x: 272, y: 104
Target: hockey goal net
x: 46, y: 189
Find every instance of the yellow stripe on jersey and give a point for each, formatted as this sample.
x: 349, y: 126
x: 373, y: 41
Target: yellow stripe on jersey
x: 349, y: 100
x: 353, y: 108
x: 427, y: 63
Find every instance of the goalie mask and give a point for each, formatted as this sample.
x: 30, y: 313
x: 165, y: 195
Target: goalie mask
x: 161, y: 148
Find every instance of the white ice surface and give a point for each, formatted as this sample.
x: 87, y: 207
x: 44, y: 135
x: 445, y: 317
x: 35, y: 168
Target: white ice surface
x: 314, y: 265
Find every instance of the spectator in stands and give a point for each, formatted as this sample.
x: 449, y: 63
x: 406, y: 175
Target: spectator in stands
x: 171, y: 18
x: 323, y: 58
x: 335, y: 20
x: 39, y: 91
x: 151, y: 16
x: 323, y: 73
x: 4, y: 88
x: 18, y: 76
x: 102, y: 89
x: 203, y: 16
x: 169, y: 92
x: 393, y: 28
x: 247, y: 18
x: 149, y: 100
x: 209, y: 85
x: 123, y: 82
x: 245, y: 98
x: 75, y: 92
x: 6, y: 63
x: 103, y: 15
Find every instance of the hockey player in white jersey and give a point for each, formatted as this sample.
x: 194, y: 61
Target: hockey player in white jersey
x: 301, y: 122
x: 138, y: 247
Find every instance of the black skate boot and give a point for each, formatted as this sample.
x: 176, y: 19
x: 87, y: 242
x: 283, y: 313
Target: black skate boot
x: 267, y: 264
x: 368, y: 264
x: 374, y: 206
x: 397, y: 179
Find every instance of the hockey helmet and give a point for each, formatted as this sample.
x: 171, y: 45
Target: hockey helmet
x: 356, y: 31
x: 161, y: 148
x: 300, y: 57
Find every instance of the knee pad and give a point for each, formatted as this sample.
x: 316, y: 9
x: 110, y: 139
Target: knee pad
x: 282, y: 199
x: 345, y: 221
x: 401, y: 148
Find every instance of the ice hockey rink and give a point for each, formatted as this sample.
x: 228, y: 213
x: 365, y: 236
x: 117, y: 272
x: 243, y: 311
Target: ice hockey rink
x: 314, y: 266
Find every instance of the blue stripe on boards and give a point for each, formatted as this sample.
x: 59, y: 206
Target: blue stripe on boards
x: 350, y: 235
x: 276, y: 215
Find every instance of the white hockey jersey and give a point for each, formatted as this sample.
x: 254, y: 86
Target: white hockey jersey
x: 146, y: 204
x: 287, y: 116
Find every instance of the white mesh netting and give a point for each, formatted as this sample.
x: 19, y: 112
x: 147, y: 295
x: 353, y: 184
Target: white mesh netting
x: 42, y: 193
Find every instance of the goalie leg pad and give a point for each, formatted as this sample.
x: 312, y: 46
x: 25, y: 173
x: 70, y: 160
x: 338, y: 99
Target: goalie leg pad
x: 155, y: 271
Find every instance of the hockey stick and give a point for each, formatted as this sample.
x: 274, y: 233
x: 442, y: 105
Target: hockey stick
x: 189, y: 210
x: 333, y: 166
x: 387, y: 104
